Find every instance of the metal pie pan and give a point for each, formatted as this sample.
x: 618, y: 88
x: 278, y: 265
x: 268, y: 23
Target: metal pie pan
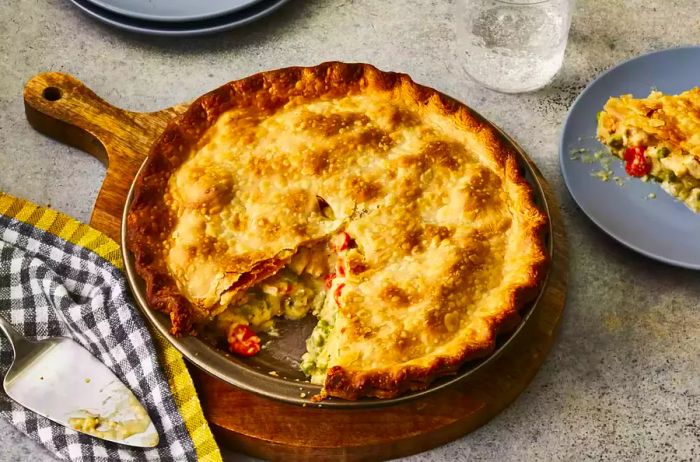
x: 274, y: 372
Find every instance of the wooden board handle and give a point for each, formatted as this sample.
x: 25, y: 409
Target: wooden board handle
x: 62, y: 107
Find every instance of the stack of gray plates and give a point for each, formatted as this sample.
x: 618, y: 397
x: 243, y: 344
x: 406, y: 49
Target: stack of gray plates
x: 178, y: 17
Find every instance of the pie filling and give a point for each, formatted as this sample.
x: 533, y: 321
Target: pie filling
x: 676, y: 170
x: 311, y: 282
x: 649, y: 135
x: 322, y: 346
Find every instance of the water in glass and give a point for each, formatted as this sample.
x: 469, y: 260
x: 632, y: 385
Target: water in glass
x: 512, y: 45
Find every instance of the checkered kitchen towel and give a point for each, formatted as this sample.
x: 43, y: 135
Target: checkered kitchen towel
x: 50, y: 262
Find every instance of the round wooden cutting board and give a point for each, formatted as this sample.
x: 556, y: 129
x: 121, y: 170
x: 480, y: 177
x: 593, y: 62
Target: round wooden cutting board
x: 62, y: 108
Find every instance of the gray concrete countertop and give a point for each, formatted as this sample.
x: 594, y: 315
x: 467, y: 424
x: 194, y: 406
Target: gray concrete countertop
x: 622, y: 381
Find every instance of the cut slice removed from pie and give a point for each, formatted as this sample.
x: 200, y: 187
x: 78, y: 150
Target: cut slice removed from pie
x: 658, y: 138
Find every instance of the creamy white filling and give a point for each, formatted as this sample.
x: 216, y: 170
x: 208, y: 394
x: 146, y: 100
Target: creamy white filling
x: 293, y: 292
x: 322, y: 345
x: 678, y: 172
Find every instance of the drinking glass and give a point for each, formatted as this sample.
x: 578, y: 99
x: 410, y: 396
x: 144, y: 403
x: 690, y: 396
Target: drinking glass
x: 512, y: 46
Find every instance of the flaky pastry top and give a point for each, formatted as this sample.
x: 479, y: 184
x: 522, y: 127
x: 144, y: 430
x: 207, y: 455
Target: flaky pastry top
x: 449, y: 242
x: 670, y: 119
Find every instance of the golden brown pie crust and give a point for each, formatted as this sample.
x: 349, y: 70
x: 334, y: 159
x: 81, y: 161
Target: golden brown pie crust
x: 152, y: 220
x: 673, y: 120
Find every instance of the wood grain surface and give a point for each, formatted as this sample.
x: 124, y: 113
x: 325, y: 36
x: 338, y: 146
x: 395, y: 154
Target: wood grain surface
x: 61, y: 107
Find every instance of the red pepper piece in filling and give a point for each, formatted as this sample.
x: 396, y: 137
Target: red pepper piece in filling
x: 242, y: 340
x: 340, y: 268
x: 636, y: 163
x: 338, y: 291
x: 329, y: 280
x: 340, y: 242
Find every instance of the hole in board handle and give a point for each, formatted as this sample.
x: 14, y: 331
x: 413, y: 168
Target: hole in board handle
x: 52, y: 94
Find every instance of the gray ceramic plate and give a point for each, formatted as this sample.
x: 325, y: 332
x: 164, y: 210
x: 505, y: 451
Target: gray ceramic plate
x: 281, y: 355
x: 661, y: 228
x: 181, y: 29
x: 173, y: 10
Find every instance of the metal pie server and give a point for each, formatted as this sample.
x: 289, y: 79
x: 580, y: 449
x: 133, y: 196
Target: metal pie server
x: 60, y: 380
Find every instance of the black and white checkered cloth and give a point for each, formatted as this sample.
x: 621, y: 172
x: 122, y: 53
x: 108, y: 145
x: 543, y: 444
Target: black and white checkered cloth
x: 41, y: 273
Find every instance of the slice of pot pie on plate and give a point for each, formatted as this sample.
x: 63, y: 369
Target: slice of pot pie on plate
x: 657, y: 137
x: 392, y: 213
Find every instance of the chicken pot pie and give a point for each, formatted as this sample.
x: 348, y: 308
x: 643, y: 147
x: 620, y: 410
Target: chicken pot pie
x: 389, y: 211
x: 659, y: 138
